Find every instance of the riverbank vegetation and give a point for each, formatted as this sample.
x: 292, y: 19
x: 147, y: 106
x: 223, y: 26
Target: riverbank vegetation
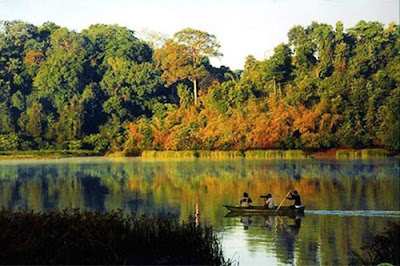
x: 106, y: 90
x: 75, y: 237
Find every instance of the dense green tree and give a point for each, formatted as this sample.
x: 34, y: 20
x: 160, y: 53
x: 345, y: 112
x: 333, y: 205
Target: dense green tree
x: 389, y: 128
x: 113, y: 41
x: 14, y: 37
x: 304, y: 49
x: 278, y: 68
x: 61, y: 75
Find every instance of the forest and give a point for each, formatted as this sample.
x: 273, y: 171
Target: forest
x: 105, y: 89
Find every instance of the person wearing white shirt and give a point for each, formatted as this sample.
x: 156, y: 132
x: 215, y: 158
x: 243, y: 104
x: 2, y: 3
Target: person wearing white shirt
x: 270, y: 202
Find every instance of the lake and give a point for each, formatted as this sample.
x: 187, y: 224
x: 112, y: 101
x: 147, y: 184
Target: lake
x: 347, y: 202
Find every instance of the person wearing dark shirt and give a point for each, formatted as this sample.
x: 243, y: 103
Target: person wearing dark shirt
x: 296, y: 197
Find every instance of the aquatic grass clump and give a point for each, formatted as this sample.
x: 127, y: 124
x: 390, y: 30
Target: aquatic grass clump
x: 254, y: 154
x: 273, y: 154
x: 276, y: 154
x: 204, y: 154
x: 348, y: 154
x: 294, y: 154
x: 119, y: 154
x: 149, y: 154
x: 224, y: 154
x: 187, y: 154
x: 373, y: 153
x: 361, y: 154
x: 83, y: 237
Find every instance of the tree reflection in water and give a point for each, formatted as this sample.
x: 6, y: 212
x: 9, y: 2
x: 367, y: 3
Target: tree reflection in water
x: 175, y: 188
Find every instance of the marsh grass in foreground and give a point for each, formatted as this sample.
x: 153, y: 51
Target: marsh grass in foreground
x: 83, y: 237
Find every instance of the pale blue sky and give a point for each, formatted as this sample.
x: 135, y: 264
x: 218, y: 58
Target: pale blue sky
x: 243, y: 27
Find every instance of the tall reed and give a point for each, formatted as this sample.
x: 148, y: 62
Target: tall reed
x: 373, y: 153
x: 169, y: 154
x: 82, y: 237
x: 276, y: 154
x: 220, y: 154
x: 348, y: 154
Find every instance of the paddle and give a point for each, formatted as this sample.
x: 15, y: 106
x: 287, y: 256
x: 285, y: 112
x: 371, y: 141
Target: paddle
x: 283, y: 201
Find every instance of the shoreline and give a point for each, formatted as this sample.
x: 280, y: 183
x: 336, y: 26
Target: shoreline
x: 204, y: 154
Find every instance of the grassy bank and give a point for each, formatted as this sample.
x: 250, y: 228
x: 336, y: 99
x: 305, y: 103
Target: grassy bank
x: 46, y: 154
x: 272, y: 154
x: 84, y: 237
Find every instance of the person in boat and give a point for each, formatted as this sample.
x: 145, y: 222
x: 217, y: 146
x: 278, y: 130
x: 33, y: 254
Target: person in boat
x: 269, y: 202
x: 296, y: 197
x: 246, y: 200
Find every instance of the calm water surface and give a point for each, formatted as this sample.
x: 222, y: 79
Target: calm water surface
x: 347, y: 201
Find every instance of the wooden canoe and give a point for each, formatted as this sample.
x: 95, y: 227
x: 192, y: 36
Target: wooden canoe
x: 284, y: 210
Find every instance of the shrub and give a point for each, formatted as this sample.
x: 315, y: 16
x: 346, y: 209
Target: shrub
x: 96, y: 142
x: 74, y: 144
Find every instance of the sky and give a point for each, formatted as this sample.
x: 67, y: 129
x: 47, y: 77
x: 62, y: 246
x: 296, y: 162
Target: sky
x: 243, y: 27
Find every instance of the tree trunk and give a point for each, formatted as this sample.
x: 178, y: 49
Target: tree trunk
x: 195, y: 91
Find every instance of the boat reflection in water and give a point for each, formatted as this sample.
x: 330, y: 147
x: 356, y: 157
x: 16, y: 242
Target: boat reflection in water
x: 284, y: 224
x: 246, y: 221
x: 291, y: 227
x: 277, y: 236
